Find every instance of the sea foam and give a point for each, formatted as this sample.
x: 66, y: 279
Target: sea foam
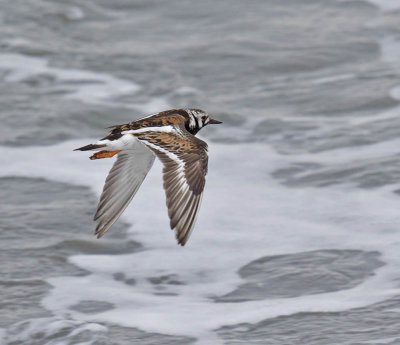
x: 86, y: 86
x: 245, y: 215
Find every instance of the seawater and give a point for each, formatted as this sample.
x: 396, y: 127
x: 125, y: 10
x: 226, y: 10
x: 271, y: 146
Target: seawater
x: 297, y: 239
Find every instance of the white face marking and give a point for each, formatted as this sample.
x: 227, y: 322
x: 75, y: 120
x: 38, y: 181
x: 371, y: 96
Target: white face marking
x: 197, y: 118
x: 192, y: 121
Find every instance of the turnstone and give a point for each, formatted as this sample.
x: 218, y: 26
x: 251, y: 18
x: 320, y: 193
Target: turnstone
x: 169, y: 135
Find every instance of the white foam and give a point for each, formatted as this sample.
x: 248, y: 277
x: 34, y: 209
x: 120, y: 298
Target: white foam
x: 52, y: 330
x: 186, y: 90
x: 154, y: 105
x: 333, y: 78
x: 386, y: 5
x: 16, y: 42
x: 245, y: 215
x: 74, y: 13
x: 89, y: 87
x: 390, y: 51
x: 3, y: 334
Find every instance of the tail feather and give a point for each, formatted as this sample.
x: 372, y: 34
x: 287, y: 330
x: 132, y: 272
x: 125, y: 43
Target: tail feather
x: 90, y: 147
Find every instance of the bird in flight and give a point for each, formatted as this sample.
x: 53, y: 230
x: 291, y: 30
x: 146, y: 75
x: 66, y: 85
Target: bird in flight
x: 169, y: 135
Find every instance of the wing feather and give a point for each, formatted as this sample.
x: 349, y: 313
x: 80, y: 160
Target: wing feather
x: 185, y: 161
x: 122, y: 183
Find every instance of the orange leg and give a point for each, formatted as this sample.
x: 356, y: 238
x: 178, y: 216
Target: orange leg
x: 104, y: 154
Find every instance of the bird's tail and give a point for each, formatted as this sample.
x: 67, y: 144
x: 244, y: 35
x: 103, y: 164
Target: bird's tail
x: 98, y: 154
x: 90, y: 147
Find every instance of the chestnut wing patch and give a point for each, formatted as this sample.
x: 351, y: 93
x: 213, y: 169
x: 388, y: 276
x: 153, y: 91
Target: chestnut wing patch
x: 185, y: 161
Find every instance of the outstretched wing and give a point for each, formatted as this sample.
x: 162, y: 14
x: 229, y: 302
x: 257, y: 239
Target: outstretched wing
x: 185, y: 161
x: 122, y: 183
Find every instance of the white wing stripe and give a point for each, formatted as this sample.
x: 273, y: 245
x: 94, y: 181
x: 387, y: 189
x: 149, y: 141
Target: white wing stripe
x: 163, y: 129
x: 172, y: 156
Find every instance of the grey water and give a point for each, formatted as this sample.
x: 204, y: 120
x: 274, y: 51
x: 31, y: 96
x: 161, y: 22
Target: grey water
x: 305, y: 77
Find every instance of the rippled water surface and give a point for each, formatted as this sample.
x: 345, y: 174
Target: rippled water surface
x: 298, y: 237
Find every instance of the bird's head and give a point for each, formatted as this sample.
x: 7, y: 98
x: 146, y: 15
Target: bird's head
x: 198, y: 119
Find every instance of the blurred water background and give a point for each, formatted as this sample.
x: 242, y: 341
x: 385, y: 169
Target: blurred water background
x: 298, y: 237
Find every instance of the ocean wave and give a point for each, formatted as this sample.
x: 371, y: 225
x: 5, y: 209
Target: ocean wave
x: 86, y: 86
x: 174, y: 288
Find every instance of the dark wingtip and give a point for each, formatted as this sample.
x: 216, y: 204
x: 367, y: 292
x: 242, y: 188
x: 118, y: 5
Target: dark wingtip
x: 89, y: 147
x: 214, y: 122
x: 99, y: 233
x: 181, y: 241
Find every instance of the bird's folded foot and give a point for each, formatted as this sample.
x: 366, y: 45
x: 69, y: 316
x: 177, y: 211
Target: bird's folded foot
x: 104, y: 154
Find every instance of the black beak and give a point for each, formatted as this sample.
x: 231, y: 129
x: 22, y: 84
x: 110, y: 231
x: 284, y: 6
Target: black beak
x: 214, y: 122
